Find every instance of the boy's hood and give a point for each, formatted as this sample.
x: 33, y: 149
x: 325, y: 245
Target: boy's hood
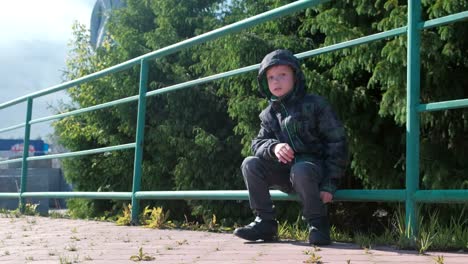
x: 281, y: 57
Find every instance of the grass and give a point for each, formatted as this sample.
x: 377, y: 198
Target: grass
x: 364, y: 240
x: 10, y: 213
x: 71, y: 247
x: 141, y: 256
x: 182, y: 242
x: 439, y: 259
x: 69, y: 260
x: 156, y: 217
x: 29, y: 209
x: 432, y: 234
x: 58, y: 215
x: 126, y: 217
x: 295, y: 231
x: 313, y: 258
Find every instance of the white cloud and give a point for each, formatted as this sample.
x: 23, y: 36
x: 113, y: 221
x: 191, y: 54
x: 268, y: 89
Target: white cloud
x: 45, y: 19
x: 33, y: 49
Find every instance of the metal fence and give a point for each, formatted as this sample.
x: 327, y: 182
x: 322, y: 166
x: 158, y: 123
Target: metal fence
x: 411, y: 195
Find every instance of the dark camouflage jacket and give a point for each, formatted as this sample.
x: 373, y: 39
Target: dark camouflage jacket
x: 306, y: 122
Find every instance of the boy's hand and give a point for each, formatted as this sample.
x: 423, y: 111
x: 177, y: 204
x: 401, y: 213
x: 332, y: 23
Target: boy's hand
x: 284, y: 152
x: 326, y: 197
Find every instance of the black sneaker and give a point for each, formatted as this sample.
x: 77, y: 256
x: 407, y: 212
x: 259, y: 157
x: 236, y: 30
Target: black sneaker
x: 319, y: 231
x: 266, y: 230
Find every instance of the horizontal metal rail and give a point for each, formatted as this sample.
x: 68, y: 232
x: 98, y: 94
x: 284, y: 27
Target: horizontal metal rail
x: 179, y: 86
x: 73, y: 154
x: 354, y: 42
x: 90, y: 195
x: 444, y: 20
x: 454, y: 104
x: 389, y: 195
x: 83, y: 152
x: 9, y: 195
x: 69, y: 84
x: 86, y: 109
x: 340, y: 195
x: 12, y: 128
x: 11, y: 161
x: 395, y: 195
x: 441, y: 196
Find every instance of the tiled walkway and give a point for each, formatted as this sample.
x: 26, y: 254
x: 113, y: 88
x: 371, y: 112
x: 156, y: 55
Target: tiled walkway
x: 44, y: 240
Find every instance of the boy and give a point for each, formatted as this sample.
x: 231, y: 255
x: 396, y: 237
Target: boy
x: 301, y: 147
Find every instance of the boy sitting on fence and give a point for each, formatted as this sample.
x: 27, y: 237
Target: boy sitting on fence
x: 300, y: 148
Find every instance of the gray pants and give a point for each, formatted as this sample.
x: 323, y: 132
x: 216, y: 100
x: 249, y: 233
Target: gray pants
x: 302, y: 178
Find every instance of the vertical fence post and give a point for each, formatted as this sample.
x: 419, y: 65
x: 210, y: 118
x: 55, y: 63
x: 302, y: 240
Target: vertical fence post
x: 412, y: 115
x: 24, y: 164
x: 140, y: 133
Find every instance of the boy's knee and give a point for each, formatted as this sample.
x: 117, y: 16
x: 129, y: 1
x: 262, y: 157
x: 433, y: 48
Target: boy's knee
x: 250, y: 162
x: 305, y: 171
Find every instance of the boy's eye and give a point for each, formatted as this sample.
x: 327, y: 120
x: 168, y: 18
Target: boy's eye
x: 279, y: 77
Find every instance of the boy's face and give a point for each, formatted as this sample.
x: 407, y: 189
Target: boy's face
x: 280, y: 80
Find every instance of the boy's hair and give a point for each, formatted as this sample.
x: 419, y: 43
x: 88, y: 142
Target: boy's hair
x: 279, y: 57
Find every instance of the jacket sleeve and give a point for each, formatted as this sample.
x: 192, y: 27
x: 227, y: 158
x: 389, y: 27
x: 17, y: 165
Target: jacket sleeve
x: 262, y: 145
x: 333, y: 136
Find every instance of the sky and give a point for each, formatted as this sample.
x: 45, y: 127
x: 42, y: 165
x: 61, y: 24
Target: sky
x: 33, y: 47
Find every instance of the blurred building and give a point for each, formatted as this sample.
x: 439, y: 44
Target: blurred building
x: 99, y: 19
x: 10, y: 148
x: 42, y: 176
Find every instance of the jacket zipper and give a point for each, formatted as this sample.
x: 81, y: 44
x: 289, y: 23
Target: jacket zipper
x: 287, y: 130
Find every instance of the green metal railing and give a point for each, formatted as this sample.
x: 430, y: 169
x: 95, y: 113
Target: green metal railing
x: 411, y: 195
